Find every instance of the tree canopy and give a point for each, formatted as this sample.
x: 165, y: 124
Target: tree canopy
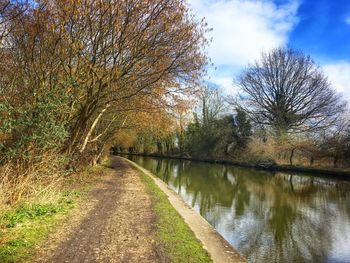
x: 73, y: 70
x: 286, y: 90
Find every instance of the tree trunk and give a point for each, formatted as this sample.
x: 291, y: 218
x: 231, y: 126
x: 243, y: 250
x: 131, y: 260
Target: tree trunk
x: 312, y: 161
x: 291, y: 156
x: 159, y: 147
x: 76, y: 131
x: 291, y: 182
x: 98, y: 157
x: 92, y: 128
x: 335, y: 161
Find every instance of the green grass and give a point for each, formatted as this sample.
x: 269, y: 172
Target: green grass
x: 24, y: 228
x: 173, y: 235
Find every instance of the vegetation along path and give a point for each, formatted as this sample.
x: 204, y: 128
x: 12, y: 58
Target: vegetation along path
x: 116, y: 227
x: 128, y: 219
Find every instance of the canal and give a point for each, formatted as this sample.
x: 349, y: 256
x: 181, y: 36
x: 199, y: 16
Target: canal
x: 266, y: 216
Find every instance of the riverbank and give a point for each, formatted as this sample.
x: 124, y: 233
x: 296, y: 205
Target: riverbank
x: 219, y: 249
x: 339, y: 173
x: 113, y: 214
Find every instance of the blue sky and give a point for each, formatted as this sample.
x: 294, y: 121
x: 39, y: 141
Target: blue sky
x: 242, y: 29
x: 323, y: 29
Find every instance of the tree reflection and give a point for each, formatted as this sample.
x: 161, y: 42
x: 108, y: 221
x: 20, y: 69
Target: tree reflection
x: 268, y: 217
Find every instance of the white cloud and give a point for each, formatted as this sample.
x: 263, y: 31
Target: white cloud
x: 339, y: 75
x: 347, y: 20
x: 242, y: 29
x: 225, y: 83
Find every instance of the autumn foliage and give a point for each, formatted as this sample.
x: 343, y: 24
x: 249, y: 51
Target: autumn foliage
x: 76, y: 73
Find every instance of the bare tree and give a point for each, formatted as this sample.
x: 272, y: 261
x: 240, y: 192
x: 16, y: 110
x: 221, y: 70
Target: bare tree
x: 9, y: 10
x: 210, y: 105
x: 287, y: 91
x: 335, y: 143
x: 5, y: 6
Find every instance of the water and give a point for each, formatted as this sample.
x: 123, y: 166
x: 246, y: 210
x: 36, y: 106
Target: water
x: 268, y: 217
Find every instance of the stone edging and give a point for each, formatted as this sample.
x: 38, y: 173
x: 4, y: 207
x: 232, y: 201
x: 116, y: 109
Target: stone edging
x: 218, y: 248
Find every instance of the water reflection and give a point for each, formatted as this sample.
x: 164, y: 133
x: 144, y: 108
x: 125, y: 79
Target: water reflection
x: 268, y: 217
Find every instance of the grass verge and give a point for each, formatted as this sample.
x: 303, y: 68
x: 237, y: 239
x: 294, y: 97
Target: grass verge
x: 25, y: 227
x: 173, y: 235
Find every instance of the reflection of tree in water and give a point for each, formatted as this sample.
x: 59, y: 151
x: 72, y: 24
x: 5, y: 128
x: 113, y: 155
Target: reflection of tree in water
x: 277, y: 217
x: 286, y: 234
x: 295, y: 221
x: 210, y: 187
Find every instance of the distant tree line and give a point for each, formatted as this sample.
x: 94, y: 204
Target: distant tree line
x: 286, y: 112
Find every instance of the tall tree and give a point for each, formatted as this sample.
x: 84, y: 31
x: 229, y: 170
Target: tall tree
x: 98, y: 59
x: 286, y: 90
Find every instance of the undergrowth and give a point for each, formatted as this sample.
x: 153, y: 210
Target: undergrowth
x: 24, y: 227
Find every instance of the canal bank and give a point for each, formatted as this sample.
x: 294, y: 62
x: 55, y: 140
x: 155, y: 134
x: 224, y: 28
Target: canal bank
x: 267, y: 216
x: 219, y: 249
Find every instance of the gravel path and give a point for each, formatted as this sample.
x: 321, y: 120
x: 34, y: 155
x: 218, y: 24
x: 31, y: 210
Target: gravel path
x: 116, y: 225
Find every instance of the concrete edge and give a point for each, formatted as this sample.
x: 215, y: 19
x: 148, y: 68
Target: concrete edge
x: 218, y: 248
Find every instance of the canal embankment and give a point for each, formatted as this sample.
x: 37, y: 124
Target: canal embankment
x: 219, y: 249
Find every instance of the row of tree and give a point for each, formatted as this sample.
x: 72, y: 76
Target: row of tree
x: 286, y: 112
x: 75, y: 72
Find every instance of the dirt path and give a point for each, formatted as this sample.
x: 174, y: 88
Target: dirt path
x: 219, y: 249
x: 106, y: 229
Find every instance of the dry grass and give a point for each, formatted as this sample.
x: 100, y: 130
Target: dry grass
x: 258, y: 152
x: 34, y: 201
x: 29, y: 182
x: 272, y: 150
